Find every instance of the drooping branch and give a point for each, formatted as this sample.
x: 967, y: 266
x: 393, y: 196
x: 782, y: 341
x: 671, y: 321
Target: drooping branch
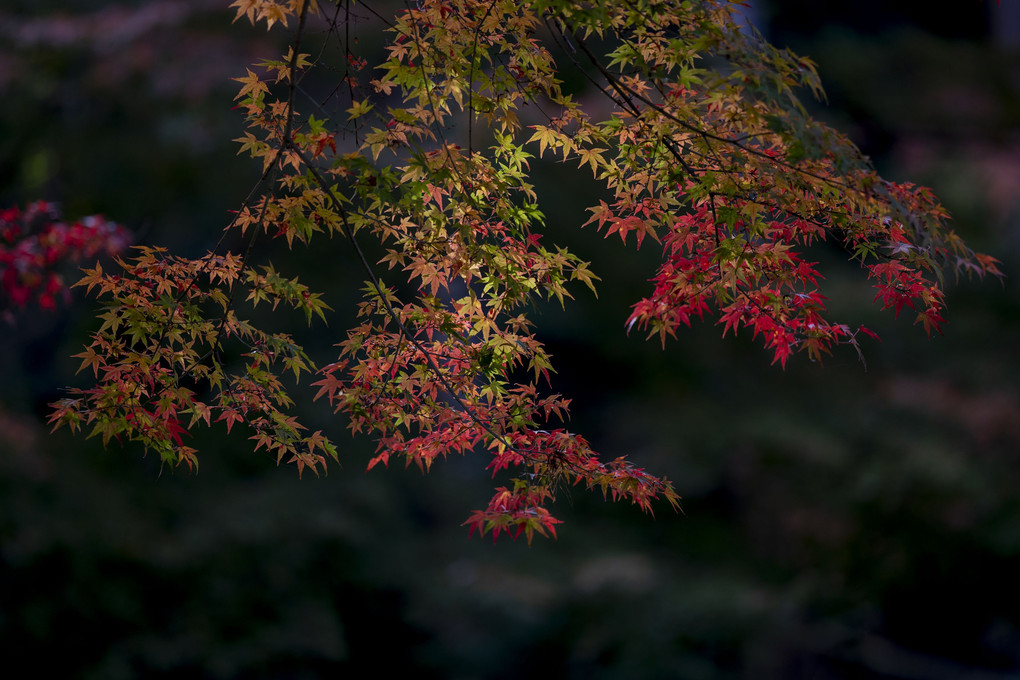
x: 706, y: 150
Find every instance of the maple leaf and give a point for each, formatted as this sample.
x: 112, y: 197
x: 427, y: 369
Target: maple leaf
x: 90, y: 358
x: 231, y: 416
x: 200, y: 411
x: 254, y: 87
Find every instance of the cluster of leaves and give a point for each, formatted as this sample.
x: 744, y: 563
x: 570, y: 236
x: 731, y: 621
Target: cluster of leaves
x: 36, y: 245
x: 161, y: 338
x: 701, y: 143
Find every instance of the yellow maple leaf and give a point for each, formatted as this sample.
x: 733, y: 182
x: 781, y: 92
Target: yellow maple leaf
x: 253, y: 85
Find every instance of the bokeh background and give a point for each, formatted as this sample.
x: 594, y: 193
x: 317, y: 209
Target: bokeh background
x: 838, y: 522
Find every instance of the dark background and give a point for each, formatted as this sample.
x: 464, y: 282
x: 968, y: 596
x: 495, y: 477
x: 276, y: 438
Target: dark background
x: 838, y: 522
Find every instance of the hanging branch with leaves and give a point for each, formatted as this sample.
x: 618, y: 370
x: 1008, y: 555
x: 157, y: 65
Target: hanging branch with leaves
x: 701, y: 142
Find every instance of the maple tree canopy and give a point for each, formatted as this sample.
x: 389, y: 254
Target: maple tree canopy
x: 703, y: 147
